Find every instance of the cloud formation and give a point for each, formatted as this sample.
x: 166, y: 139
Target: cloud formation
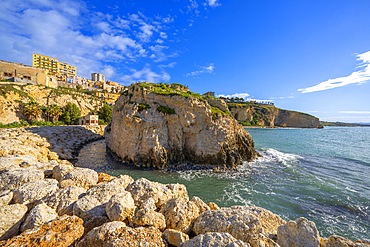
x: 361, y: 76
x: 202, y: 70
x: 213, y: 3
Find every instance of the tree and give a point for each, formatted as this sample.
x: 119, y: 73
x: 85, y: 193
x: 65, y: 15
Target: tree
x: 71, y: 113
x: 32, y: 110
x: 105, y: 113
x: 54, y: 112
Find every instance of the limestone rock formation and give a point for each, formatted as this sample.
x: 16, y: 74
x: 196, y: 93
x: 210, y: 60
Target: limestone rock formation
x: 257, y: 114
x: 300, y: 232
x: 62, y: 232
x: 143, y: 189
x: 11, y: 218
x: 116, y: 233
x: 15, y: 178
x: 214, y: 239
x: 250, y: 224
x: 38, y: 215
x: 120, y: 206
x: 338, y: 241
x: 6, y: 197
x: 160, y: 125
x: 175, y: 238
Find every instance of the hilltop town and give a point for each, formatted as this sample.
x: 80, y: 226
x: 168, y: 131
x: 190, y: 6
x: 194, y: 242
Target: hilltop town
x: 50, y: 72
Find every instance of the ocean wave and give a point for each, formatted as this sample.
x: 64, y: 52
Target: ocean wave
x: 271, y: 155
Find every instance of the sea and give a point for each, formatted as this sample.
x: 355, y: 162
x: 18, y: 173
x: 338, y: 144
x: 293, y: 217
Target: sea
x: 320, y: 174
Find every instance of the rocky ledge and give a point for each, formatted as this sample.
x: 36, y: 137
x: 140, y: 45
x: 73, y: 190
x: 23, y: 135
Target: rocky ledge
x: 46, y: 201
x: 161, y: 125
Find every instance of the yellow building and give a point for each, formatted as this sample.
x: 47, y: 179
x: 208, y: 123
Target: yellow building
x: 61, y: 70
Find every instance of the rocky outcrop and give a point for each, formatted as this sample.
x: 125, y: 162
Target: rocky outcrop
x: 167, y: 125
x: 12, y: 95
x: 119, y: 211
x: 255, y: 114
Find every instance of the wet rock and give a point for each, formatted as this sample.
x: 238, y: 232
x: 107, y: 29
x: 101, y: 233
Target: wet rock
x: 143, y: 189
x: 38, y: 215
x: 120, y: 207
x: 116, y: 233
x: 214, y: 239
x: 175, y: 238
x: 62, y: 200
x: 180, y: 214
x: 6, y: 197
x: 62, y: 232
x: 246, y: 223
x: 11, y: 218
x: 33, y: 191
x: 300, y: 232
x: 14, y: 179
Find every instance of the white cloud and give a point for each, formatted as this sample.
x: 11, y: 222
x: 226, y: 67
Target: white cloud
x: 354, y: 112
x: 361, y: 76
x: 235, y: 95
x: 202, y: 70
x: 212, y: 3
x: 145, y: 74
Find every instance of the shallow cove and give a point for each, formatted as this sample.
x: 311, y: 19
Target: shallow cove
x: 320, y: 174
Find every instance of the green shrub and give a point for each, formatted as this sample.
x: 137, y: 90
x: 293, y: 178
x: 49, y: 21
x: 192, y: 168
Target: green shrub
x: 166, y: 110
x: 143, y: 107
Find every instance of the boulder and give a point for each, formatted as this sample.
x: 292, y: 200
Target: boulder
x: 250, y: 224
x: 154, y: 129
x: 214, y: 239
x: 33, y: 191
x: 180, y: 214
x: 175, y: 238
x: 92, y: 204
x: 60, y: 170
x: 143, y: 189
x: 81, y: 177
x: 116, y: 233
x: 338, y: 241
x: 143, y: 217
x: 37, y: 216
x: 62, y: 232
x: 6, y: 197
x: 103, y: 177
x: 300, y: 232
x: 120, y: 207
x: 62, y: 200
x: 11, y: 218
x: 200, y: 204
x: 13, y: 179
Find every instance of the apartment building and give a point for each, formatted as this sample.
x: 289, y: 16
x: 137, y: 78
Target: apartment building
x: 61, y: 70
x: 97, y: 77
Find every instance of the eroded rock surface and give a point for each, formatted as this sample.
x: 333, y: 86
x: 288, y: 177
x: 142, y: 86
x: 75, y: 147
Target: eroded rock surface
x: 167, y: 125
x: 215, y: 239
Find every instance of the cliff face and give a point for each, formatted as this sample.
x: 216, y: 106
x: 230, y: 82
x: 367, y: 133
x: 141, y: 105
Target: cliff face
x: 12, y: 97
x: 253, y: 114
x: 165, y: 125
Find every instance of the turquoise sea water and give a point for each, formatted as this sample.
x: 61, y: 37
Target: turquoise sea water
x: 320, y: 174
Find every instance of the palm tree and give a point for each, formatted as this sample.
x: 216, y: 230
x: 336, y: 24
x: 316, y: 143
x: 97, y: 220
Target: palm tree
x: 54, y: 112
x: 32, y: 110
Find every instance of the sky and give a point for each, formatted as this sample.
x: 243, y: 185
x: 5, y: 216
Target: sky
x: 304, y: 55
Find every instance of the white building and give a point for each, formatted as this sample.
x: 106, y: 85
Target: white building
x: 97, y: 77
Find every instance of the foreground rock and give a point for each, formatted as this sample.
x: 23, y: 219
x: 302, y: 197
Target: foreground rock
x: 167, y: 125
x: 46, y: 201
x: 61, y: 232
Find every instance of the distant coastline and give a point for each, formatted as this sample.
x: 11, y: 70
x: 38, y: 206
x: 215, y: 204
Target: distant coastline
x: 342, y: 124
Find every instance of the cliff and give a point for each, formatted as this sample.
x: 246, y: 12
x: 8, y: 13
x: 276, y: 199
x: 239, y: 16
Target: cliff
x: 12, y: 97
x: 255, y: 114
x: 160, y: 125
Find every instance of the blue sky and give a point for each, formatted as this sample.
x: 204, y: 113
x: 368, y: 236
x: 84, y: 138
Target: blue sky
x: 305, y: 55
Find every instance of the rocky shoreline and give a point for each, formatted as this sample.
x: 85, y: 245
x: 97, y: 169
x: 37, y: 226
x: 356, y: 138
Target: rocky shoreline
x: 46, y: 201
